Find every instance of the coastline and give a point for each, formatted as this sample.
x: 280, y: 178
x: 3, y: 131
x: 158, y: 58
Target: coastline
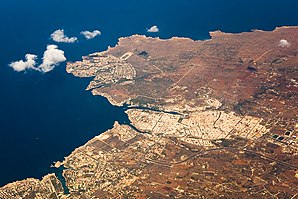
x: 105, y: 135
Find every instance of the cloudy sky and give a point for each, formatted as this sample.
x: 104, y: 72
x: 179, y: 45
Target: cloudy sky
x: 90, y: 35
x: 29, y: 63
x: 52, y: 57
x: 59, y: 36
x: 153, y: 29
x: 284, y: 43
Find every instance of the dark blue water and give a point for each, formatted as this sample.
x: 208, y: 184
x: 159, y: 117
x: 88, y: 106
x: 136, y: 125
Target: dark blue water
x: 43, y: 117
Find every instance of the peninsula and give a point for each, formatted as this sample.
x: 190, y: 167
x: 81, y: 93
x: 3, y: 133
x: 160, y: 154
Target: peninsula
x: 209, y: 119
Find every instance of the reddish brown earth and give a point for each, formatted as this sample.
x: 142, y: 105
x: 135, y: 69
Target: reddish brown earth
x: 247, y: 76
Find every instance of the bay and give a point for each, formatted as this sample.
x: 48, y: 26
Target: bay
x: 43, y: 117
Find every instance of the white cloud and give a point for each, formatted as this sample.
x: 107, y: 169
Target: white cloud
x: 59, y: 36
x: 24, y: 65
x: 284, y: 43
x: 153, y: 29
x: 51, y: 58
x: 91, y: 35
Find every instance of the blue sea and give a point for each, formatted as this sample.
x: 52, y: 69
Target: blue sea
x: 43, y: 117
